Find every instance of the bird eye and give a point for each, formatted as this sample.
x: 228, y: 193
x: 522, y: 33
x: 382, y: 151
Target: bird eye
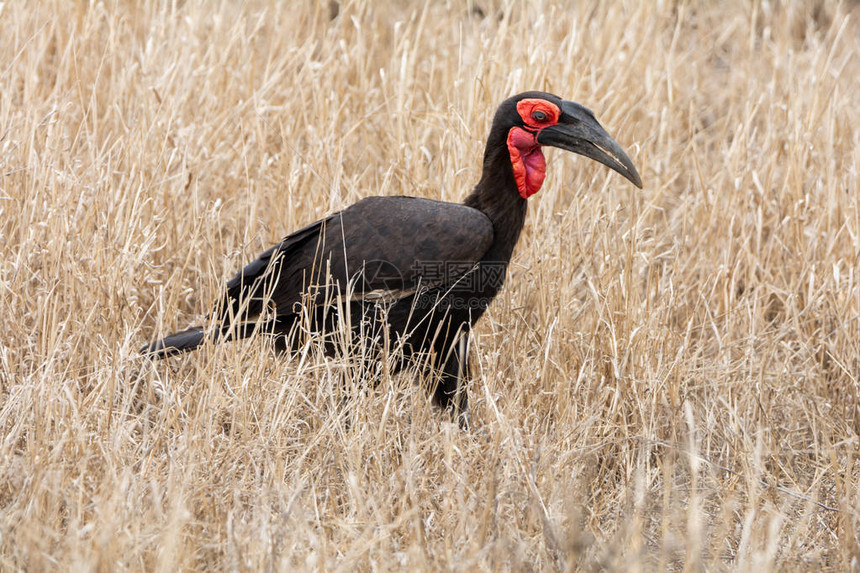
x: 538, y: 116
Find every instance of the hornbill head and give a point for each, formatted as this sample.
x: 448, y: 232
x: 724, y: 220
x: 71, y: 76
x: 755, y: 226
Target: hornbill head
x: 534, y: 119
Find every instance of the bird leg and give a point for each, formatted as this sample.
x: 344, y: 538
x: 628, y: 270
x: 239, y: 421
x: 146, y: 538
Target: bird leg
x: 451, y: 392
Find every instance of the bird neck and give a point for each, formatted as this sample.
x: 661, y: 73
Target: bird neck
x: 497, y: 196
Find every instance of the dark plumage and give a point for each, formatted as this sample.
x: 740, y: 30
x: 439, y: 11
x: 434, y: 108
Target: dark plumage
x: 425, y: 270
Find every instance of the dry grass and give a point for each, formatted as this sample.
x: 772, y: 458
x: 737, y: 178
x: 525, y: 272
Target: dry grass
x: 669, y: 380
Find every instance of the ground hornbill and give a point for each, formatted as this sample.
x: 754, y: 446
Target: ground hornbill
x: 414, y: 272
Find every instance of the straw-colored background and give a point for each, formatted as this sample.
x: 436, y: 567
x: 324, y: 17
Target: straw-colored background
x: 669, y: 379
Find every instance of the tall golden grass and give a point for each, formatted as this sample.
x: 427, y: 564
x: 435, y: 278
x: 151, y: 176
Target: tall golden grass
x: 668, y: 381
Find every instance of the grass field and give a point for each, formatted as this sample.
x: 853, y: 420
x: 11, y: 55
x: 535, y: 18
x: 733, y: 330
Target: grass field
x: 670, y: 379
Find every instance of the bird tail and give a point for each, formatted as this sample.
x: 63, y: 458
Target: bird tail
x: 194, y: 337
x: 176, y: 343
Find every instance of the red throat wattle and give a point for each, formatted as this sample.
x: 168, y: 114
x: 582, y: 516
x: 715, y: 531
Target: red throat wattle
x: 526, y: 156
x: 527, y: 160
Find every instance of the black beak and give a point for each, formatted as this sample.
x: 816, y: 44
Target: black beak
x: 578, y: 131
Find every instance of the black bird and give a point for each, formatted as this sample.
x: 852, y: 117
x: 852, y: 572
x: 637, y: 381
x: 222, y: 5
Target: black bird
x: 423, y: 270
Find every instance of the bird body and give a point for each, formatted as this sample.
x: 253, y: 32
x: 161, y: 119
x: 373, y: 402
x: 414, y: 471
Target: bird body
x: 416, y: 271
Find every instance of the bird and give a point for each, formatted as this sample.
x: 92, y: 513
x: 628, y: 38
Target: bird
x: 416, y: 271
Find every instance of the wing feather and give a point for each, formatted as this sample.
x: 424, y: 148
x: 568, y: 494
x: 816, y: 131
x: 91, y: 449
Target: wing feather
x: 382, y: 247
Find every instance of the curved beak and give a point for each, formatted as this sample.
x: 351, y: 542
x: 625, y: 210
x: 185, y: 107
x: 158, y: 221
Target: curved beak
x: 578, y: 131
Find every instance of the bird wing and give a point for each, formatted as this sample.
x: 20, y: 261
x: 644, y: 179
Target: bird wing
x: 381, y: 248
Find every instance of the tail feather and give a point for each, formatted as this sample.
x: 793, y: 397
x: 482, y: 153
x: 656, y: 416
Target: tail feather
x: 176, y: 343
x: 194, y: 337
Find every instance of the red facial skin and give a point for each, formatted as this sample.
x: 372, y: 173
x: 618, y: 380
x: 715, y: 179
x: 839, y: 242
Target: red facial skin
x: 527, y: 158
